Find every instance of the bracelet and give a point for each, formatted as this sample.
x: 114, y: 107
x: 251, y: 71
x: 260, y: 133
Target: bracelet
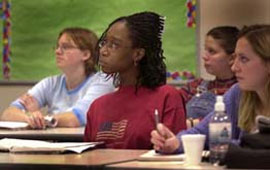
x: 191, y: 122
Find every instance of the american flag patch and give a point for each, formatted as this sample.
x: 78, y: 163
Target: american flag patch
x: 111, y: 130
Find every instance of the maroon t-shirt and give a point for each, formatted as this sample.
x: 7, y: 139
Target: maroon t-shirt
x: 124, y: 119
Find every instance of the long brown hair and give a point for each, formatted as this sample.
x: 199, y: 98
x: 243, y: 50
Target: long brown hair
x: 258, y: 37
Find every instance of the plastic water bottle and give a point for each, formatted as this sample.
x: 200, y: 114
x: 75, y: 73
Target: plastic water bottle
x: 219, y: 132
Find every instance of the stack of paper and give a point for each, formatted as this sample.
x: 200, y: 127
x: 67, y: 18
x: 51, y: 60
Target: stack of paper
x: 21, y: 145
x: 153, y: 156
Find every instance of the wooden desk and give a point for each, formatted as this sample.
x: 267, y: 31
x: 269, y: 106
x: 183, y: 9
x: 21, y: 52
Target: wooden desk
x: 52, y: 134
x: 156, y: 165
x: 93, y: 159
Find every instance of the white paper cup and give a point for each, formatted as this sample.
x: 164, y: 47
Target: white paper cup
x: 193, y: 146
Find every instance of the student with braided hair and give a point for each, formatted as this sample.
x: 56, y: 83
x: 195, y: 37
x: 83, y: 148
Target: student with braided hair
x: 130, y: 51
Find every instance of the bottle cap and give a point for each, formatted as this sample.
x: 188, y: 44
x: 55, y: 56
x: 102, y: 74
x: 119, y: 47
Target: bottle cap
x: 219, y: 105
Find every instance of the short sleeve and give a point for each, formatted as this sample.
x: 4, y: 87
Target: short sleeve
x: 38, y: 91
x: 99, y: 86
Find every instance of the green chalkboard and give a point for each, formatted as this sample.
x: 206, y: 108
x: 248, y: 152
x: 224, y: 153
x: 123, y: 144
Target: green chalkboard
x: 36, y: 24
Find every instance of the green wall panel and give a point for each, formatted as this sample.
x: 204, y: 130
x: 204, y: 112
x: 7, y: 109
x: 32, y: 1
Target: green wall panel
x: 36, y: 24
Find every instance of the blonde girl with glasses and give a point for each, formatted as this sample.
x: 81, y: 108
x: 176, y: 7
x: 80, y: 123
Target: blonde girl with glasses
x: 69, y: 95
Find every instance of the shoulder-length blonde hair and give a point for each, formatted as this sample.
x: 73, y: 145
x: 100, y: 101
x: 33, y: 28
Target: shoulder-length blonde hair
x: 258, y: 37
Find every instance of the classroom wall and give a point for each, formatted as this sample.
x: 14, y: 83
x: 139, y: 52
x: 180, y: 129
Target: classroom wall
x: 210, y: 13
x: 9, y: 93
x: 213, y: 13
x: 36, y: 24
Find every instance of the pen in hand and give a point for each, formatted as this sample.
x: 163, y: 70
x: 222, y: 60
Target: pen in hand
x: 157, y: 122
x: 156, y: 118
x: 168, y: 143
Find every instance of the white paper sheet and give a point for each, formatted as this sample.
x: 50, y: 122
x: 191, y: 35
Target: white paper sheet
x: 13, y: 125
x: 22, y: 145
x: 153, y: 156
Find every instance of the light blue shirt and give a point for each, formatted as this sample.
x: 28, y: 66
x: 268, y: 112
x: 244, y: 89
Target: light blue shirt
x: 52, y: 92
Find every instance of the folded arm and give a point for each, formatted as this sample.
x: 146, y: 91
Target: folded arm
x: 12, y: 113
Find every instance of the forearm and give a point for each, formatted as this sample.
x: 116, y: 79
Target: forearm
x: 14, y: 114
x: 67, y: 119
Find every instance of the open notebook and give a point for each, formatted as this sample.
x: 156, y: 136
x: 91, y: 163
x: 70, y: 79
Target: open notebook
x: 153, y: 156
x: 22, y: 145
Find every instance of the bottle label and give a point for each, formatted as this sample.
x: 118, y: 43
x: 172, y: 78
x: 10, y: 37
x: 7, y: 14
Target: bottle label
x: 220, y: 132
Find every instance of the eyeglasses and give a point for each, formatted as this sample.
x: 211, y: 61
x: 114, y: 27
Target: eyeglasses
x: 65, y: 47
x: 111, y: 45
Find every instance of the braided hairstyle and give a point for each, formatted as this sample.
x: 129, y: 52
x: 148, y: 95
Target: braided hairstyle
x: 145, y: 31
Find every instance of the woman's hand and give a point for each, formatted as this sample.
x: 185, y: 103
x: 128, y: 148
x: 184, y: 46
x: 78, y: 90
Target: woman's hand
x: 29, y: 102
x: 164, y: 140
x: 36, y: 120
